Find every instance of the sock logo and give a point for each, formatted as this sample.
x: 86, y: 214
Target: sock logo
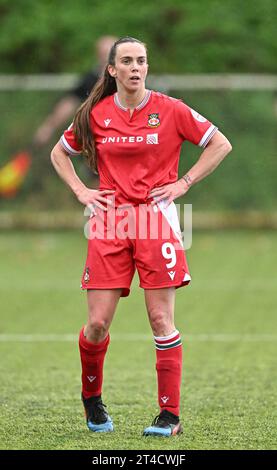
x: 91, y: 378
x: 164, y: 399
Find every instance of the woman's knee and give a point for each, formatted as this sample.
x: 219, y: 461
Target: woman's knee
x: 96, y: 329
x: 101, y: 309
x: 161, y: 322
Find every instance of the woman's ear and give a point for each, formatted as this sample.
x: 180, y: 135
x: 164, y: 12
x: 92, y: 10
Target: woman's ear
x: 112, y: 71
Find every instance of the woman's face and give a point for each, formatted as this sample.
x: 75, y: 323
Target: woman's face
x: 130, y: 67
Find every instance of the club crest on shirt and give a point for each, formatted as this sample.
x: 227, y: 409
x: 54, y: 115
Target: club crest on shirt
x: 153, y: 120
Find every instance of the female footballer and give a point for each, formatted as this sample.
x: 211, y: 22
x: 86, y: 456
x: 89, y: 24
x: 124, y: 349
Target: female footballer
x: 133, y: 137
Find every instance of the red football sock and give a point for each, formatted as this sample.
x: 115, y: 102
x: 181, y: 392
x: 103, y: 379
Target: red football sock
x: 169, y: 371
x: 92, y: 360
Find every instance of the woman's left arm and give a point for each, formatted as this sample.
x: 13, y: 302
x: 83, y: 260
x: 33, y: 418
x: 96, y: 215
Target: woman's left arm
x: 215, y: 151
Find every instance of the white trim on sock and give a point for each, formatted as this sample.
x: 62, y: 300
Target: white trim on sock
x: 165, y: 338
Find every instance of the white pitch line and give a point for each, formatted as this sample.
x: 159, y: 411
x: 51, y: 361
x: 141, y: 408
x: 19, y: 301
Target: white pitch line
x: 212, y: 337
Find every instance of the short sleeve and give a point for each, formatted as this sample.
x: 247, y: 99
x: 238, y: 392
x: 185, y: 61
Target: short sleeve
x: 69, y: 142
x: 192, y: 126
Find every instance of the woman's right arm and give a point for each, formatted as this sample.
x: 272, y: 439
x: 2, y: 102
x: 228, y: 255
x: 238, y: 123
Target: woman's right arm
x: 65, y: 169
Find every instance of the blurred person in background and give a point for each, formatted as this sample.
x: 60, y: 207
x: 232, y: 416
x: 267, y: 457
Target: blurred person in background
x: 133, y: 136
x: 15, y: 171
x: 67, y: 106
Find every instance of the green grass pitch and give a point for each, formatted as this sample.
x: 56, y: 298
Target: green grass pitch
x: 228, y: 323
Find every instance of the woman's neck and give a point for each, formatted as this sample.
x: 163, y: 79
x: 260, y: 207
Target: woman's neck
x: 131, y: 100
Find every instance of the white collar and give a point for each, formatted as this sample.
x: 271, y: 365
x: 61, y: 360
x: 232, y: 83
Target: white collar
x: 141, y: 104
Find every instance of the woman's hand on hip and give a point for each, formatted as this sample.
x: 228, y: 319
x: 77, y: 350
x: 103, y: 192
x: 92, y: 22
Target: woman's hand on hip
x: 169, y: 192
x: 94, y: 197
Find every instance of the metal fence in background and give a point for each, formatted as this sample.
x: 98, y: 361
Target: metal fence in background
x: 162, y: 82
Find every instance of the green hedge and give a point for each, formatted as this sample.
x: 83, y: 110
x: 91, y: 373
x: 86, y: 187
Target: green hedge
x: 183, y: 36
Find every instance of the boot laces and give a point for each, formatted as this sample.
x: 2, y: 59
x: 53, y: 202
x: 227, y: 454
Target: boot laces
x: 164, y: 419
x: 96, y: 412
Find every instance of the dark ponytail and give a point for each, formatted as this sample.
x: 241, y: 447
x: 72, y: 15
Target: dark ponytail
x: 105, y: 86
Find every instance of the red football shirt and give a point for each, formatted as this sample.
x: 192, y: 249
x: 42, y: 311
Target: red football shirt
x: 139, y: 152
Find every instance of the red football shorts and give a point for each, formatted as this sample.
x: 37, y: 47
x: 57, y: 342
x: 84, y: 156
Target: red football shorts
x: 144, y: 237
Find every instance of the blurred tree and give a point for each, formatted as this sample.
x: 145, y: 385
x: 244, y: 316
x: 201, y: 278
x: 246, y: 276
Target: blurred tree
x: 183, y: 36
